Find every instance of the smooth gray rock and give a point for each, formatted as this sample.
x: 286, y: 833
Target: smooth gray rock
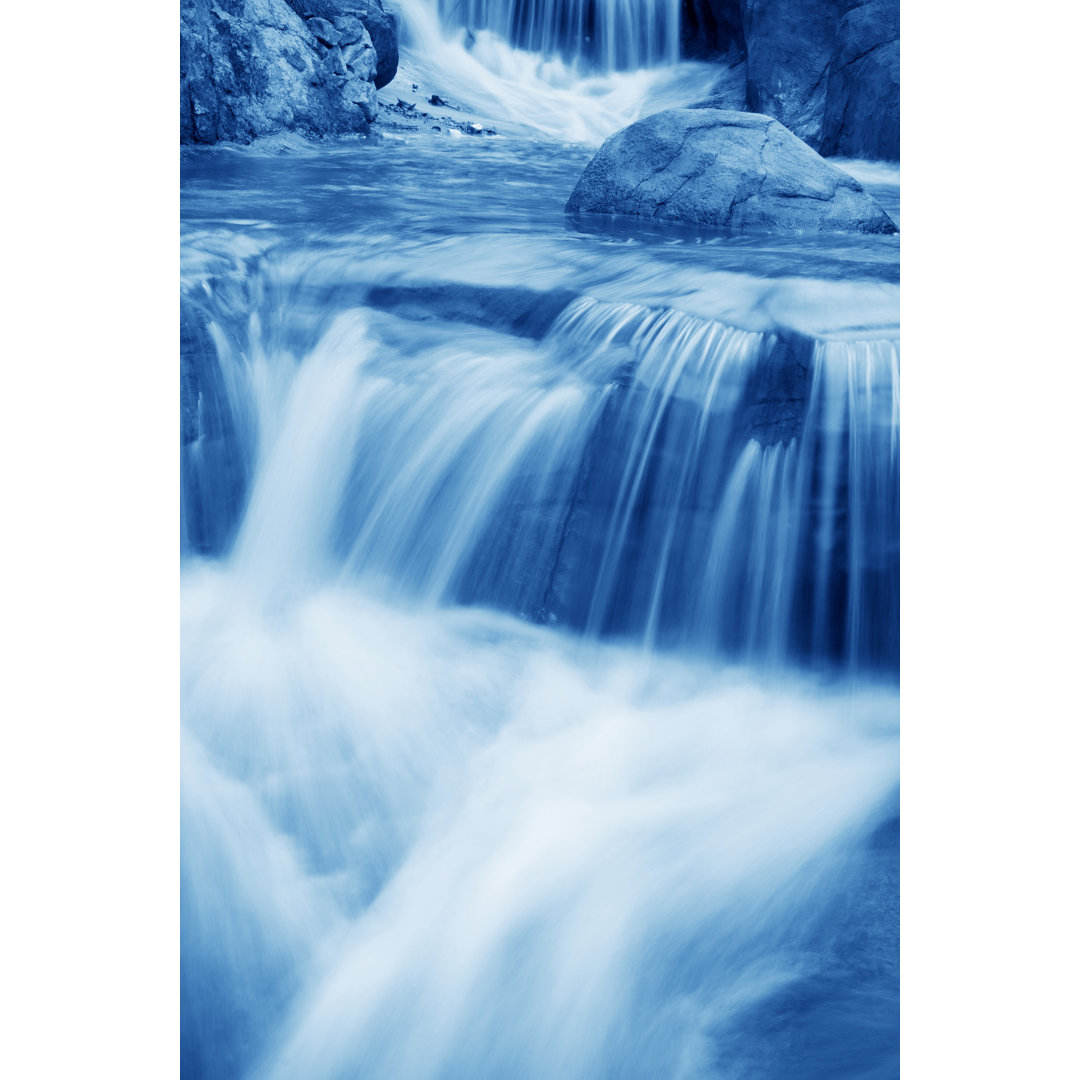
x: 723, y: 168
x: 250, y: 68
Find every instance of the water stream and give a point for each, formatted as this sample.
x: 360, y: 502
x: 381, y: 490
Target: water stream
x: 539, y: 610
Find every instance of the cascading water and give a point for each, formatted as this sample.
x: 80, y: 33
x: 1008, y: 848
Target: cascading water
x: 526, y: 68
x: 613, y: 34
x: 539, y: 629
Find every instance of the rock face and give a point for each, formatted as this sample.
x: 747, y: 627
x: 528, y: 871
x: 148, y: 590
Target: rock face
x: 789, y: 46
x: 862, y: 104
x: 338, y: 17
x: 253, y: 67
x: 710, y: 28
x: 826, y: 69
x: 723, y: 168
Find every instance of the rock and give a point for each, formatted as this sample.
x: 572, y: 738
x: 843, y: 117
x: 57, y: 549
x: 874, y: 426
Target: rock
x: 380, y: 24
x: 728, y: 91
x: 324, y: 32
x: 723, y: 168
x: 789, y: 46
x: 862, y: 103
x: 826, y: 69
x: 250, y: 68
x: 710, y: 29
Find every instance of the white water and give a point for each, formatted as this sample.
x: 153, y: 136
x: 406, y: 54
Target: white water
x: 437, y: 843
x: 538, y: 696
x: 613, y: 34
x: 536, y: 89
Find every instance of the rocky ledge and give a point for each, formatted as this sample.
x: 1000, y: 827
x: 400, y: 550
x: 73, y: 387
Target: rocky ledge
x: 727, y: 169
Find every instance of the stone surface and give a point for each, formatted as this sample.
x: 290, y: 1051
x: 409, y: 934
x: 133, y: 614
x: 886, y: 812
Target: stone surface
x: 380, y: 24
x: 710, y: 28
x: 829, y: 70
x: 862, y: 103
x: 723, y: 168
x: 789, y: 46
x: 250, y: 68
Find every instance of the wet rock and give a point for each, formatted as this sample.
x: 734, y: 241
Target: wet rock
x: 723, y: 168
x: 524, y: 312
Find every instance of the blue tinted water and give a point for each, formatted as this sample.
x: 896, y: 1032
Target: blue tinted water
x: 540, y: 627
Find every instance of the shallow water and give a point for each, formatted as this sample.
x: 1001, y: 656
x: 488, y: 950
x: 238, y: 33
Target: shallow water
x: 539, y: 627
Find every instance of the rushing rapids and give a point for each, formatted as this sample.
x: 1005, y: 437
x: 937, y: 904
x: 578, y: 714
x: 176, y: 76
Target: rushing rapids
x: 539, y: 624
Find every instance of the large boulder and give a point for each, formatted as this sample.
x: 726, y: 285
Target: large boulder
x: 253, y: 67
x: 723, y: 168
x: 380, y: 24
x: 862, y: 103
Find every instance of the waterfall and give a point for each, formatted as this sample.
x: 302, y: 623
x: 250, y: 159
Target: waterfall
x: 639, y: 474
x: 539, y: 635
x: 572, y: 69
x: 611, y: 34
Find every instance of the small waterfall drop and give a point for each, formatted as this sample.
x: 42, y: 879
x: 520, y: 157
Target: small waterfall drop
x: 613, y: 35
x: 639, y: 474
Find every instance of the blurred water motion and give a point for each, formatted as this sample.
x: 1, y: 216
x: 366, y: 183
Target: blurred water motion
x: 540, y: 631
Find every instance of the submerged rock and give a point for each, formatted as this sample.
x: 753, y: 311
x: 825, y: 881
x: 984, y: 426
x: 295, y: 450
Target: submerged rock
x: 723, y: 168
x: 250, y: 68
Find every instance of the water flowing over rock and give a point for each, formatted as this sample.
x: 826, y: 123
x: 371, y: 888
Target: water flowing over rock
x: 610, y: 34
x: 250, y: 68
x: 539, y: 572
x: 723, y: 168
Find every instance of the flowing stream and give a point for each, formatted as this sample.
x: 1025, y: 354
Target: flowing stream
x: 539, y: 602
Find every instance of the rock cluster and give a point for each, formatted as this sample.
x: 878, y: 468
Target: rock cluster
x: 250, y: 68
x: 338, y: 17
